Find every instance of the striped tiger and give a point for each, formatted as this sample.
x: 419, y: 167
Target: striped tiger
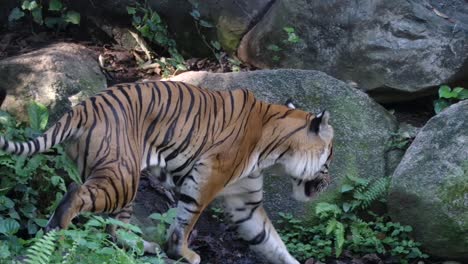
x: 210, y: 143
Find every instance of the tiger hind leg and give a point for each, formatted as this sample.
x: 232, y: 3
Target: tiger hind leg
x: 92, y: 196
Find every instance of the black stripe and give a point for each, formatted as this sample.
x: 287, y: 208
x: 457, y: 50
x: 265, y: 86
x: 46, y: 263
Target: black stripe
x: 248, y: 217
x: 187, y: 199
x: 258, y: 239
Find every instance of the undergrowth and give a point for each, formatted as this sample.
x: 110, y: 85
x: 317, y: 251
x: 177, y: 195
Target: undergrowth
x: 350, y: 226
x: 31, y: 188
x: 91, y: 244
x: 53, y: 14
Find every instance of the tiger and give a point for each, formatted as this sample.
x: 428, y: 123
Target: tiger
x: 208, y: 144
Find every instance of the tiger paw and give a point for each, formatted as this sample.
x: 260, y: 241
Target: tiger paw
x: 151, y: 247
x: 191, y: 256
x: 188, y: 255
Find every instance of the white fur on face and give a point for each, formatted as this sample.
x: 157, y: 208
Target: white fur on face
x: 304, y: 166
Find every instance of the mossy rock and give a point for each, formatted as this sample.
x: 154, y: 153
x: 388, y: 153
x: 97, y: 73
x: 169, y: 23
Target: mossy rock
x: 430, y: 186
x: 54, y: 76
x: 363, y: 128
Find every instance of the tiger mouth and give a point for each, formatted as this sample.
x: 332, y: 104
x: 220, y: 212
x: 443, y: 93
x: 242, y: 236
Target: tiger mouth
x: 315, y: 186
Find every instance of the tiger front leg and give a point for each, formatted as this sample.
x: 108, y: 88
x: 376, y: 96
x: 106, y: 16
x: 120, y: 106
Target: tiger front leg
x: 195, y: 195
x: 245, y: 211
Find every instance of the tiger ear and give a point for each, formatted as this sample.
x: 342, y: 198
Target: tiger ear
x: 290, y: 104
x: 319, y: 121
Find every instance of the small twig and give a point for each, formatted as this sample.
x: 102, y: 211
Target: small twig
x: 138, y: 58
x: 142, y: 43
x: 150, y: 66
x: 208, y: 45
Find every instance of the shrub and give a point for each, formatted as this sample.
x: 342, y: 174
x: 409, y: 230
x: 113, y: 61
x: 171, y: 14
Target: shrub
x: 342, y: 227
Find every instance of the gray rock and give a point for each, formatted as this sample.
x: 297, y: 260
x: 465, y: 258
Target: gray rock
x: 430, y: 186
x: 394, y: 50
x: 362, y: 127
x: 54, y: 76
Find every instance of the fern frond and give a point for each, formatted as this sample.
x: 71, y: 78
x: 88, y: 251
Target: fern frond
x: 40, y: 252
x: 339, y: 238
x: 372, y: 192
x: 326, y: 209
x: 70, y: 254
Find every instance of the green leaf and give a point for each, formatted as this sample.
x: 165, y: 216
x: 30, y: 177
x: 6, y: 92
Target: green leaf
x: 5, y: 251
x: 28, y: 210
x: 457, y: 90
x: 440, y: 105
x: 346, y: 188
x: 32, y: 227
x: 446, y: 92
x: 131, y: 10
x: 37, y: 16
x: 56, y: 180
x: 274, y: 47
x: 215, y: 45
x: 41, y: 222
x: 29, y: 5
x: 331, y: 226
x: 463, y: 94
x: 195, y: 14
x: 107, y: 251
x: 9, y: 226
x: 72, y: 17
x: 15, y: 14
x: 55, y: 5
x: 206, y: 24
x: 38, y: 116
x: 288, y: 29
x: 6, y: 203
x: 346, y: 207
x: 136, y: 20
x: 293, y: 38
x: 408, y: 229
x: 339, y: 238
x: 53, y: 22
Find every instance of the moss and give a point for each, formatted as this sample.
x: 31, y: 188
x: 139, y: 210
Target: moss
x: 454, y: 192
x: 230, y: 32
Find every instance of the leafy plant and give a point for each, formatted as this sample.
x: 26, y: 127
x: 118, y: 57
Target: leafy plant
x: 24, y: 209
x: 163, y: 221
x: 448, y: 96
x: 25, y: 203
x: 150, y: 25
x: 90, y: 244
x: 292, y: 36
x: 291, y: 39
x: 342, y: 228
x: 57, y: 15
x: 41, y: 251
x: 217, y: 213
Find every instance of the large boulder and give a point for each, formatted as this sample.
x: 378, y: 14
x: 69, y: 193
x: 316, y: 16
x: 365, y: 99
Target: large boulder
x: 55, y: 76
x: 430, y: 186
x: 389, y: 48
x: 362, y: 127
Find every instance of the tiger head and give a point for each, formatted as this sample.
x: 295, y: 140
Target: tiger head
x: 309, y: 157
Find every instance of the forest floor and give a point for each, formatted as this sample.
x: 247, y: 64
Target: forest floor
x: 213, y: 240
